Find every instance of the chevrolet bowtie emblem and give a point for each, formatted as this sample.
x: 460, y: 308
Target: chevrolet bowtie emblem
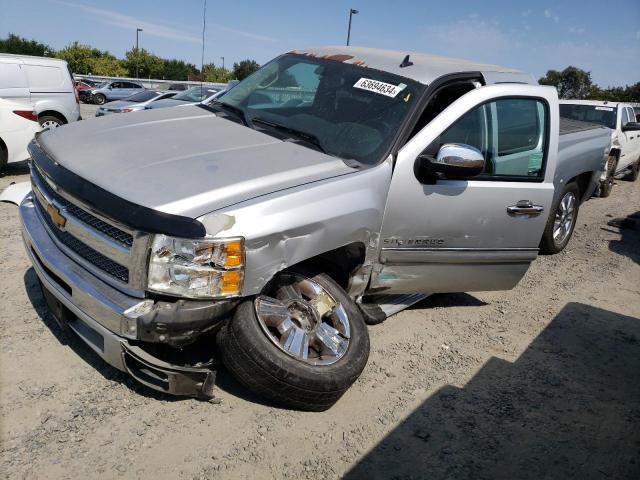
x: 56, y: 217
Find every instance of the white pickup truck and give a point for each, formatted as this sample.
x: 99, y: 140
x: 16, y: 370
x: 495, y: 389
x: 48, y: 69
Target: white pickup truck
x: 328, y: 190
x: 624, y: 157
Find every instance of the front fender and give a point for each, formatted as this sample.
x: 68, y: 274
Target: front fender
x: 287, y: 227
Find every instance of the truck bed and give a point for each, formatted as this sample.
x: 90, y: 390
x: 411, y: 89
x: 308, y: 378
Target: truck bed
x: 568, y: 125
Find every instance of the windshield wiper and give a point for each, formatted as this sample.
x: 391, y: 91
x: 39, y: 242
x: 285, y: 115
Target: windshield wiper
x: 302, y: 135
x: 235, y: 111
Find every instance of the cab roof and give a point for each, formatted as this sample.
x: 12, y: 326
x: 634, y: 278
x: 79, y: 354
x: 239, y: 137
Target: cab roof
x: 598, y: 103
x: 425, y: 68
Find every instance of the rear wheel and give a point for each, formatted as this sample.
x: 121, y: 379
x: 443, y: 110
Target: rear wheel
x: 632, y: 176
x: 49, y: 121
x: 301, y: 343
x: 606, y: 183
x: 562, y: 221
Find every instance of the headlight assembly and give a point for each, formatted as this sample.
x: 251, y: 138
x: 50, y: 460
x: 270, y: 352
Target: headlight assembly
x: 212, y: 268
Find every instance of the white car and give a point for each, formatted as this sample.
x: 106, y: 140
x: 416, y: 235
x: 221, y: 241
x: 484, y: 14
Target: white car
x: 624, y: 157
x: 46, y: 83
x: 18, y: 125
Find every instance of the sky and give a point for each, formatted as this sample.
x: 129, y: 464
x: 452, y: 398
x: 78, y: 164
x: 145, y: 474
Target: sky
x: 597, y: 36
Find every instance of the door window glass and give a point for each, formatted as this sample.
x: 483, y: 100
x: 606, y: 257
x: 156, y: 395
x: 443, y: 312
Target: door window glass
x: 509, y: 132
x: 624, y: 117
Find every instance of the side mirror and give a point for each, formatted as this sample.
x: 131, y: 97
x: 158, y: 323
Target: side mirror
x: 454, y: 160
x: 631, y: 127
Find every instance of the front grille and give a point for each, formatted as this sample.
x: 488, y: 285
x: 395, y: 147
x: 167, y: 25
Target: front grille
x: 94, y: 222
x: 86, y: 252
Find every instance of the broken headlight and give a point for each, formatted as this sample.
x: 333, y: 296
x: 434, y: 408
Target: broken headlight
x: 196, y: 268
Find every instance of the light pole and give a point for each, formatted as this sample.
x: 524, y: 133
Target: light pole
x: 352, y: 12
x: 222, y: 62
x: 138, y: 30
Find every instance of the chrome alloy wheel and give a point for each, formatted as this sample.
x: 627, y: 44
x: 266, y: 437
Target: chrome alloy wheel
x: 303, y: 320
x: 565, y: 215
x: 50, y: 124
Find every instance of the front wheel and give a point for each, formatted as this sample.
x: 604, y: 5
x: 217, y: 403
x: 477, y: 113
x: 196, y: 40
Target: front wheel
x: 301, y: 343
x: 99, y: 99
x: 561, y: 222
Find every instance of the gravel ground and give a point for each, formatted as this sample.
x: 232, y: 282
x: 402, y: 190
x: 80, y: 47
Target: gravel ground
x: 539, y: 382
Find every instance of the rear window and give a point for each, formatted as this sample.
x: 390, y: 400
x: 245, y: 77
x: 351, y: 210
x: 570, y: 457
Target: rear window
x: 45, y: 77
x: 601, y: 115
x: 12, y: 76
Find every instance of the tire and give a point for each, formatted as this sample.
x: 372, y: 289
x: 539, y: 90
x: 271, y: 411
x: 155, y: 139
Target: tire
x: 251, y: 354
x: 4, y: 156
x: 632, y: 176
x: 49, y: 121
x: 99, y: 99
x: 567, y: 202
x: 606, y: 185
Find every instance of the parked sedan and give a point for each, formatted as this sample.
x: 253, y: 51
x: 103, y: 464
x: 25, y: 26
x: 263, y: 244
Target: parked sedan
x: 188, y: 97
x: 137, y: 101
x: 18, y: 125
x: 114, y: 90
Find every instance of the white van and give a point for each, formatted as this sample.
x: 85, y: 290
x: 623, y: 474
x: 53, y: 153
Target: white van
x: 46, y: 83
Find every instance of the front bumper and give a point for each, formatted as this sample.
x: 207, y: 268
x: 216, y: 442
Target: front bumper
x: 94, y: 306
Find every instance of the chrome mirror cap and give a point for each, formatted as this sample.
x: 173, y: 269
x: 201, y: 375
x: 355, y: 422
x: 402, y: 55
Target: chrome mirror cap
x: 461, y: 156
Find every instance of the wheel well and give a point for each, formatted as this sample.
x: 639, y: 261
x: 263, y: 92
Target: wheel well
x: 582, y: 181
x: 52, y: 113
x: 340, y: 263
x: 4, y: 151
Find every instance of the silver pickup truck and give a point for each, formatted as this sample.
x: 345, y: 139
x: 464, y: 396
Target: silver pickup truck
x: 327, y: 191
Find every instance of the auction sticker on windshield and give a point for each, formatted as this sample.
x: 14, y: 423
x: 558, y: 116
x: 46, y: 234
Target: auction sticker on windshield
x: 379, y: 87
x: 606, y: 109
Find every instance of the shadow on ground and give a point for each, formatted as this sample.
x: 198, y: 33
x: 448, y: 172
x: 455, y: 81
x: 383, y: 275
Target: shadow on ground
x: 569, y: 407
x: 629, y: 243
x: 442, y: 300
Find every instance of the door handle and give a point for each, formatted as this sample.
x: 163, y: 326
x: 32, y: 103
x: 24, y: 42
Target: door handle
x: 525, y: 207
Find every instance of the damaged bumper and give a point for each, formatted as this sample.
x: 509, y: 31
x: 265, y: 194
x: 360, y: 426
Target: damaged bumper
x: 113, y: 324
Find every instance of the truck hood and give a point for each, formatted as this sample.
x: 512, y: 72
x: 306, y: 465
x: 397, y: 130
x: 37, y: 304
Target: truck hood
x: 184, y: 161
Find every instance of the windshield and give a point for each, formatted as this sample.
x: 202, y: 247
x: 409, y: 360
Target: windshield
x: 142, y: 96
x: 602, y: 115
x: 345, y: 110
x: 195, y: 94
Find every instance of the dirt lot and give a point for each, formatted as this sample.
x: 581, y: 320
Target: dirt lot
x: 539, y: 382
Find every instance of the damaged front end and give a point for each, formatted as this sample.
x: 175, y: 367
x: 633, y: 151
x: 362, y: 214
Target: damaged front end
x: 166, y: 344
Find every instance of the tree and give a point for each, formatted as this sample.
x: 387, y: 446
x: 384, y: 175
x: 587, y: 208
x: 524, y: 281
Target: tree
x: 211, y: 73
x: 80, y: 57
x: 108, y: 66
x: 15, y: 44
x: 178, y: 70
x: 245, y: 68
x: 571, y: 83
x: 147, y: 64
